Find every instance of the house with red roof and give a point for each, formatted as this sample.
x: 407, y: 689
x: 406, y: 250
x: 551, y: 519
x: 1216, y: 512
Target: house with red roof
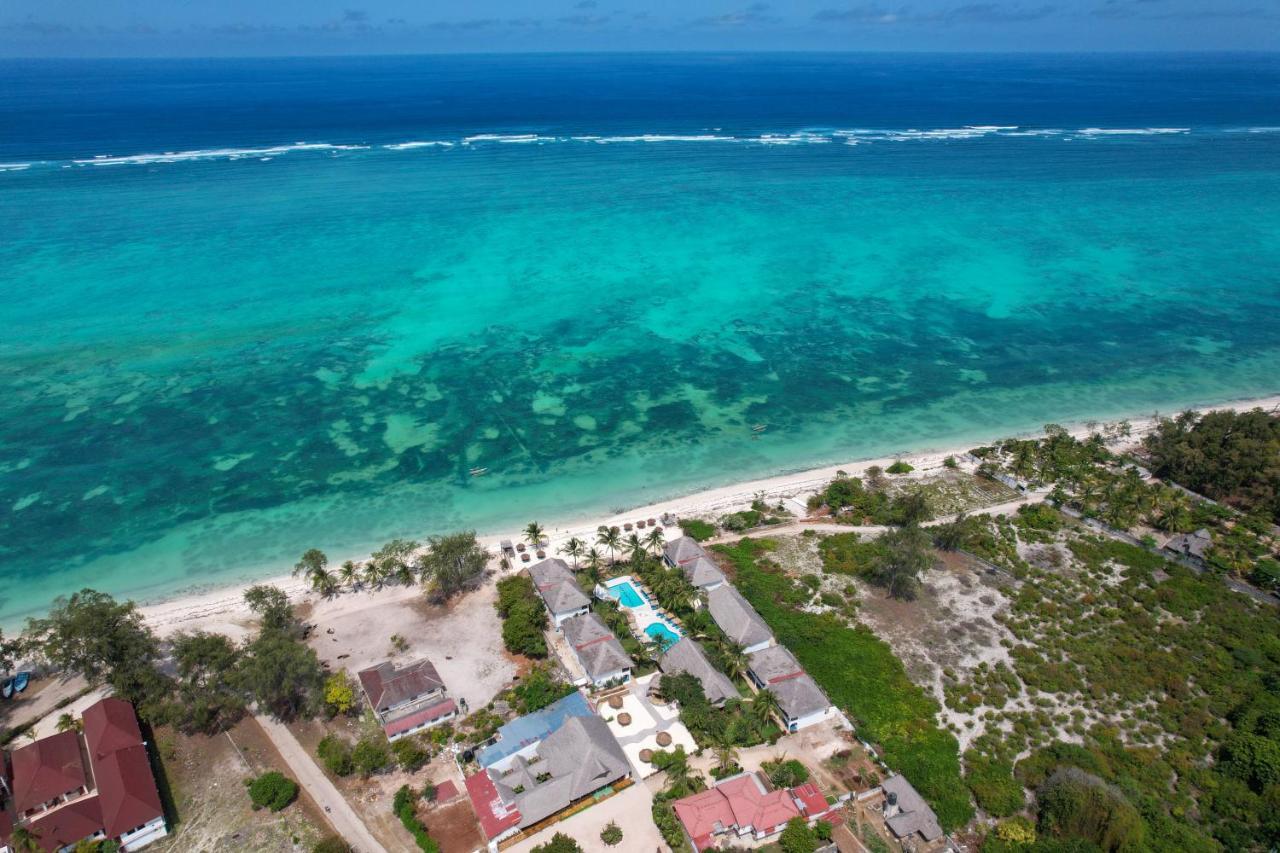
x: 744, y: 806
x: 89, y: 786
x: 408, y: 699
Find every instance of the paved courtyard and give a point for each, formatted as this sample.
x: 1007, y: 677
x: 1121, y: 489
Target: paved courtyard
x: 648, y: 719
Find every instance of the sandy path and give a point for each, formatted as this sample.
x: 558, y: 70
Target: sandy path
x: 340, y: 815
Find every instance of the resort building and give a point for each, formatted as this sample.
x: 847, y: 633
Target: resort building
x: 800, y: 700
x: 906, y: 813
x: 559, y: 589
x: 687, y: 656
x: 91, y: 786
x: 522, y: 735
x: 576, y: 761
x: 677, y: 552
x: 703, y: 573
x: 407, y: 700
x: 742, y: 806
x: 598, y: 651
x: 738, y: 619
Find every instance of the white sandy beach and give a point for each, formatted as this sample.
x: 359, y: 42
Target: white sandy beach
x: 223, y: 610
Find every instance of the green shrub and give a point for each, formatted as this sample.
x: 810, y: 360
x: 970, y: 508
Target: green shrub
x: 524, y: 619
x: 697, y: 529
x: 335, y: 754
x: 993, y: 786
x: 900, y: 467
x: 331, y: 844
x: 786, y: 774
x: 409, y: 754
x: 370, y: 756
x: 272, y: 790
x: 403, y: 805
x: 611, y: 835
x: 559, y: 843
x: 537, y: 690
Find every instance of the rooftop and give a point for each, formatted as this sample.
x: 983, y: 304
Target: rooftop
x: 774, y: 663
x: 799, y: 696
x: 597, y: 648
x: 736, y: 617
x: 687, y: 656
x: 558, y: 587
x: 740, y: 801
x: 47, y: 769
x: 914, y: 813
x: 386, y: 686
x: 701, y: 572
x: 417, y: 718
x: 680, y: 551
x: 531, y: 728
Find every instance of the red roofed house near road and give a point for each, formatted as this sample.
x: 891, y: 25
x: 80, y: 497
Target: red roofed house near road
x: 53, y: 796
x: 742, y: 806
x: 409, y: 699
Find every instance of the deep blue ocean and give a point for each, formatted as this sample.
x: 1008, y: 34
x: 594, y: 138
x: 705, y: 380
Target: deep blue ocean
x: 256, y: 306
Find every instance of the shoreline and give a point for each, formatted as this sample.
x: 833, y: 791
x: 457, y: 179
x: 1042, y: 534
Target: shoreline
x: 222, y: 607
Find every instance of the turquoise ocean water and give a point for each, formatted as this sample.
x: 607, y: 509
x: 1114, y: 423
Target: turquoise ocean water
x: 214, y: 358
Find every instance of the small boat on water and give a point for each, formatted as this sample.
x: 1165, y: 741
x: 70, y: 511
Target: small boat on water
x: 479, y: 472
x: 6, y: 689
x: 759, y: 427
x: 20, y: 681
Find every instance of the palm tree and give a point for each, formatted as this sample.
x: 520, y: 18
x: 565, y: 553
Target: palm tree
x: 24, y: 840
x: 68, y: 723
x: 350, y: 574
x: 594, y: 560
x: 323, y: 582
x: 534, y: 534
x: 655, y: 540
x: 733, y: 657
x: 312, y: 561
x: 634, y: 548
x: 764, y: 706
x: 404, y: 574
x: 722, y: 742
x: 373, y: 575
x: 611, y: 538
x: 575, y: 548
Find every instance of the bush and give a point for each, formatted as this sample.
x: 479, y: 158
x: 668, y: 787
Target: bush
x: 993, y: 785
x: 900, y: 467
x: 331, y: 844
x: 537, y: 690
x: 1075, y: 804
x: 798, y: 837
x: 786, y: 774
x: 370, y: 756
x: 611, y: 835
x: 339, y: 694
x: 272, y: 790
x: 335, y: 754
x: 409, y: 754
x: 404, y: 808
x: 523, y: 617
x: 559, y: 843
x: 697, y: 529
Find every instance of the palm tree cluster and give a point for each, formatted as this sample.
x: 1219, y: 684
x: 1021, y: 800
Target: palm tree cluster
x: 449, y: 562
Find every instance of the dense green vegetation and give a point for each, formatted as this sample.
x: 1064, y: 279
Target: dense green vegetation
x: 849, y: 500
x: 1233, y: 457
x: 537, y: 690
x: 524, y: 619
x: 272, y: 790
x: 697, y: 529
x: 404, y: 805
x: 738, y: 723
x: 861, y: 675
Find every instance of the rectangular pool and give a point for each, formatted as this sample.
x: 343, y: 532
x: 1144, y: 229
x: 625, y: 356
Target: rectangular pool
x: 626, y: 594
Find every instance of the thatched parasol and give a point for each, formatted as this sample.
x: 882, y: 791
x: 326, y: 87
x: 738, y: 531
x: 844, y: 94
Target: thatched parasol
x: 664, y: 739
x: 646, y: 755
x: 615, y: 702
x: 624, y: 719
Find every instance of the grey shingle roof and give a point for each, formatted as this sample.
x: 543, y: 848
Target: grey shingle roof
x: 581, y: 757
x: 736, y: 617
x: 914, y: 815
x: 558, y: 587
x: 800, y: 696
x: 387, y: 686
x: 773, y: 663
x: 595, y: 645
x: 687, y: 656
x: 701, y: 572
x: 680, y: 551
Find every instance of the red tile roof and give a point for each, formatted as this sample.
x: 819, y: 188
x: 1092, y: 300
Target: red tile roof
x: 426, y: 715
x: 753, y: 807
x: 704, y: 814
x: 811, y: 800
x: 66, y: 825
x: 494, y: 817
x: 127, y: 790
x: 110, y: 725
x: 446, y: 791
x: 46, y: 769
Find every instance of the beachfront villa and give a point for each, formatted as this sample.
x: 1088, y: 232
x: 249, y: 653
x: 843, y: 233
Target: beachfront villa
x: 686, y: 554
x: 559, y: 589
x: 652, y: 625
x: 579, y: 759
x: 687, y: 655
x: 598, y: 651
x: 743, y: 806
x: 407, y: 700
x: 738, y: 619
x: 522, y: 735
x: 800, y: 700
x: 94, y: 785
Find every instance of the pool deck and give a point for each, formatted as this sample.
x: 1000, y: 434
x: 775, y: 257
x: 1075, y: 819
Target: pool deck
x: 644, y: 614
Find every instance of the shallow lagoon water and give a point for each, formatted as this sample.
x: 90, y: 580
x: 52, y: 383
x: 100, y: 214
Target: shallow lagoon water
x: 210, y: 363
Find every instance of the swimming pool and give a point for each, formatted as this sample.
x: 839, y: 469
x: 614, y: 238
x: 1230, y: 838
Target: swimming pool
x: 626, y: 594
x: 662, y: 633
